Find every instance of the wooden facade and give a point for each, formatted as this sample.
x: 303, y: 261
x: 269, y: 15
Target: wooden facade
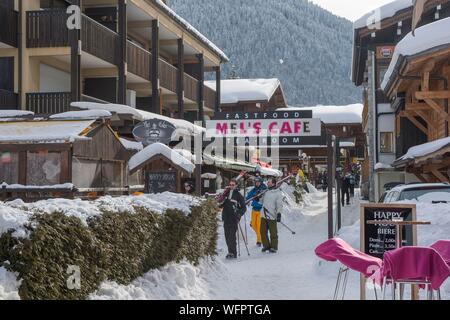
x: 422, y: 96
x: 143, y: 55
x: 97, y: 163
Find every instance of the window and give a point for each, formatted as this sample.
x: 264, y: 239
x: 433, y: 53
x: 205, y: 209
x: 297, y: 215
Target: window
x: 9, y: 167
x: 386, y: 142
x: 86, y: 173
x: 43, y: 168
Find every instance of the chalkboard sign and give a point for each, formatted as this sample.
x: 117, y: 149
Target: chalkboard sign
x: 158, y: 182
x: 377, y: 239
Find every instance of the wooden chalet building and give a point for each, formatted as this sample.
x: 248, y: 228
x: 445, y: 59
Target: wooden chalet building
x: 390, y: 132
x: 64, y: 156
x: 250, y: 95
x: 417, y: 83
x: 134, y: 52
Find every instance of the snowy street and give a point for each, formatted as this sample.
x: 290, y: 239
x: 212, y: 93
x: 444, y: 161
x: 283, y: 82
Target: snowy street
x: 292, y: 273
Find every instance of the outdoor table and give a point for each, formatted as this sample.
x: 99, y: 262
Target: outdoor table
x: 398, y: 243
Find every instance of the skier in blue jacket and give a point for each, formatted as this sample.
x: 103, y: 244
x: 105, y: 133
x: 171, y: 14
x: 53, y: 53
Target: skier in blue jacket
x: 256, y: 208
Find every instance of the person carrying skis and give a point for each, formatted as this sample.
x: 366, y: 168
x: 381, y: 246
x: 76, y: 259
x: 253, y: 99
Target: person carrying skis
x: 272, y: 205
x: 256, y: 208
x: 233, y: 208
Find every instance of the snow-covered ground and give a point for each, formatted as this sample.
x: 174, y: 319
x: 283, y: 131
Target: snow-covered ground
x: 293, y: 273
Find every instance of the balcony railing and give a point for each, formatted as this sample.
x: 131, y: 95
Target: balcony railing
x: 190, y: 87
x: 138, y: 60
x: 167, y: 75
x: 8, y: 100
x: 47, y: 28
x: 46, y: 103
x: 8, y: 31
x: 210, y: 97
x: 99, y: 40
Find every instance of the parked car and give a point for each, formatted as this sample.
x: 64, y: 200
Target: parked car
x: 425, y: 192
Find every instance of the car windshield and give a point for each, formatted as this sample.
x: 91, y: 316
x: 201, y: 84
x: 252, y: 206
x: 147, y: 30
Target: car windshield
x: 417, y: 193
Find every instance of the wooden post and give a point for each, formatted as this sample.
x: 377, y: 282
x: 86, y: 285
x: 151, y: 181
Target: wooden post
x: 330, y: 184
x: 180, y: 79
x: 155, y: 67
x: 75, y: 60
x: 201, y: 80
x: 122, y: 56
x: 218, y: 88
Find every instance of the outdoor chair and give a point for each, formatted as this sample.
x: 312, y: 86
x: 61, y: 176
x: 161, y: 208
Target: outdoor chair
x: 421, y: 266
x: 337, y: 249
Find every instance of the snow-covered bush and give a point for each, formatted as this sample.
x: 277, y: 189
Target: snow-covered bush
x: 114, y: 245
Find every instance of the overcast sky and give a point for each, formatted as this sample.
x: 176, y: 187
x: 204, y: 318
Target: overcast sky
x: 350, y: 9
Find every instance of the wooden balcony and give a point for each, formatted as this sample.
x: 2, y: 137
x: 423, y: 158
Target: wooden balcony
x: 9, y: 19
x: 8, y: 100
x: 47, y: 103
x: 47, y: 29
x: 167, y: 75
x: 139, y: 60
x: 190, y: 87
x: 210, y: 97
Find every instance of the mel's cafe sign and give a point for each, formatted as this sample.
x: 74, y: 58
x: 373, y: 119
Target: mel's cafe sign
x: 274, y: 123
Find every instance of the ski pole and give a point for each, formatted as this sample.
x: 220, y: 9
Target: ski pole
x: 245, y: 243
x: 239, y: 244
x: 293, y: 232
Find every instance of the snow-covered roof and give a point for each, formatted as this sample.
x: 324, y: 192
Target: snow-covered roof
x: 351, y: 114
x: 140, y: 158
x: 269, y: 172
x: 425, y: 149
x: 197, y: 34
x: 85, y: 114
x: 43, y: 131
x: 131, y: 145
x: 64, y: 186
x: 383, y: 166
x: 184, y: 127
x: 237, y: 90
x: 427, y: 37
x: 384, y: 12
x: 15, y: 113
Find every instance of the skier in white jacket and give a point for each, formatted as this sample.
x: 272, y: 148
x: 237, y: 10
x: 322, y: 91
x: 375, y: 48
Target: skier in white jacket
x: 272, y: 201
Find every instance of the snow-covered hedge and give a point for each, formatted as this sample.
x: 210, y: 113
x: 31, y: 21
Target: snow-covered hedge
x: 115, y: 244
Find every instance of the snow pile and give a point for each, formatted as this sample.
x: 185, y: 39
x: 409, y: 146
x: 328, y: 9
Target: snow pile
x: 236, y: 90
x: 427, y: 37
x: 350, y: 114
x: 42, y: 131
x: 155, y: 149
x: 387, y: 11
x: 382, y: 166
x: 64, y: 186
x: 15, y: 214
x: 131, y: 145
x: 176, y: 281
x: 426, y: 149
x: 86, y: 114
x: 15, y: 113
x: 12, y: 218
x: 9, y: 286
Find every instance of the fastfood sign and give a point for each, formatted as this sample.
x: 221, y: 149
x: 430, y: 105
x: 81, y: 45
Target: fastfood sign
x: 275, y: 123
